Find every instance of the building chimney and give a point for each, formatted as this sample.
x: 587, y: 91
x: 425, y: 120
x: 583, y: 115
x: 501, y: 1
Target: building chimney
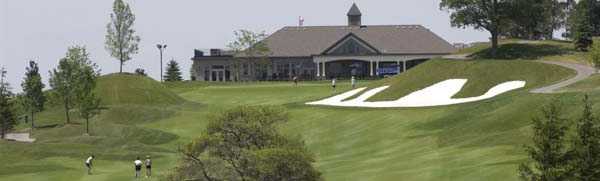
x: 354, y: 16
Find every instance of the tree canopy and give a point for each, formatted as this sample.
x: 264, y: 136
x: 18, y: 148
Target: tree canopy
x: 250, y: 51
x: 7, y: 116
x: 244, y: 144
x: 488, y: 15
x: 68, y: 79
x: 121, y: 41
x: 33, y: 99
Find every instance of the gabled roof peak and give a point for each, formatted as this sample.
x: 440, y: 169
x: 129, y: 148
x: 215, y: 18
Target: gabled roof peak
x: 354, y: 11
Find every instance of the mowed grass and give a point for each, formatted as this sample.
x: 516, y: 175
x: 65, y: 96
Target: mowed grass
x: 474, y: 141
x: 590, y: 84
x: 481, y: 75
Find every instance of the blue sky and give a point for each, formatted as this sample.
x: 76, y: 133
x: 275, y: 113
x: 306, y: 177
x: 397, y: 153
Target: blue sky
x: 42, y: 30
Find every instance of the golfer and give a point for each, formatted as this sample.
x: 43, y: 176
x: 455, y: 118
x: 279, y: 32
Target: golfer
x: 295, y: 80
x: 88, y: 164
x: 333, y: 84
x: 148, y: 166
x: 138, y: 167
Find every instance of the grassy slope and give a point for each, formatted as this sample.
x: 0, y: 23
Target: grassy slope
x: 587, y: 85
x: 132, y: 89
x: 549, y: 50
x: 474, y: 141
x: 482, y: 75
x: 117, y: 135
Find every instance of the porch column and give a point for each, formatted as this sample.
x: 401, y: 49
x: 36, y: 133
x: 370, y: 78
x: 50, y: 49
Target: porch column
x: 318, y: 69
x: 398, y: 66
x: 377, y: 67
x: 324, y: 71
x: 404, y: 66
x: 371, y: 67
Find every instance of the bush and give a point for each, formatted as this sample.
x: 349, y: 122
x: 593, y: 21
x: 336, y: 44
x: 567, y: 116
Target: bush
x: 243, y: 144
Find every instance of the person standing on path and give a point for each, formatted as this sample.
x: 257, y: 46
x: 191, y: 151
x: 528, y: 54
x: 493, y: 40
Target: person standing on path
x: 333, y: 84
x: 148, y: 166
x: 88, y: 164
x: 138, y: 167
x: 353, y: 82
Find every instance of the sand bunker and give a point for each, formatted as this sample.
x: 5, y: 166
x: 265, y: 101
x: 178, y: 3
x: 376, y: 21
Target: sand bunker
x: 439, y: 94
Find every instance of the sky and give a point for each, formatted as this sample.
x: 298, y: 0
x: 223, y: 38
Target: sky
x: 43, y: 30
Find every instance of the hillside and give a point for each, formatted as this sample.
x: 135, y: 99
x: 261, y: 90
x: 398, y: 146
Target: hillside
x: 475, y: 141
x: 482, y: 75
x: 115, y: 89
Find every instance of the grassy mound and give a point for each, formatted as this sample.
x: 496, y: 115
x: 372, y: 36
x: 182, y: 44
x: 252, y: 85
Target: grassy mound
x: 119, y: 89
x: 482, y: 76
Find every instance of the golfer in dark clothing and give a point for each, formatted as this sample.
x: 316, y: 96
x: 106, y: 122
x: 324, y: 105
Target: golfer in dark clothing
x: 148, y: 167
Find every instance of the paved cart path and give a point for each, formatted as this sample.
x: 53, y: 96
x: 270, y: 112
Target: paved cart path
x: 583, y: 72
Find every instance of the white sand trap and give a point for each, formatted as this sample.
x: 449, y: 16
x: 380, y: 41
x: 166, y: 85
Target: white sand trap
x: 20, y: 137
x: 439, y: 94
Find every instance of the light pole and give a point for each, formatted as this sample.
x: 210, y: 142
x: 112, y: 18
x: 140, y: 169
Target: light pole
x: 161, y: 48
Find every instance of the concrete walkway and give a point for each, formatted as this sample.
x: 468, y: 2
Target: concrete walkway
x: 20, y: 137
x: 583, y: 72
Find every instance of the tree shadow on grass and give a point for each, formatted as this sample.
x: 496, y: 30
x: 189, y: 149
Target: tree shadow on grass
x: 527, y: 51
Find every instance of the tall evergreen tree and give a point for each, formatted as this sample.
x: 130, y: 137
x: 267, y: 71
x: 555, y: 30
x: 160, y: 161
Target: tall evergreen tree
x: 66, y: 78
x: 33, y: 98
x: 581, y: 25
x: 7, y: 116
x: 173, y: 73
x: 586, y: 146
x: 121, y: 40
x: 549, y: 151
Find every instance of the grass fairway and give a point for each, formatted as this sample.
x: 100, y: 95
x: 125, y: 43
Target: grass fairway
x: 473, y: 141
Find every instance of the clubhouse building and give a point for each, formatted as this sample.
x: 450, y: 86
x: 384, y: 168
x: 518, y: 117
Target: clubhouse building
x: 323, y: 52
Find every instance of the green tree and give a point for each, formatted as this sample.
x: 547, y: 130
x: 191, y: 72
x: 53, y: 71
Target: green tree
x: 7, y: 116
x: 549, y: 151
x: 140, y: 71
x: 490, y: 15
x: 66, y: 80
x: 251, y: 54
x: 586, y: 146
x: 543, y: 17
x: 121, y: 41
x: 33, y: 98
x: 595, y: 54
x: 173, y: 73
x: 87, y: 101
x: 581, y: 25
x: 244, y: 144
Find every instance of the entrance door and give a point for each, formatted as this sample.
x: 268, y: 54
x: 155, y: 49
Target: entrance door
x: 221, y: 76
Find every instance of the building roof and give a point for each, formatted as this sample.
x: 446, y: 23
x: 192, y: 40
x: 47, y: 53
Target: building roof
x: 387, y: 39
x: 354, y: 11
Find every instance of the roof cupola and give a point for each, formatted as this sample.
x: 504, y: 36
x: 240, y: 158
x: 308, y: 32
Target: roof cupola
x: 354, y: 16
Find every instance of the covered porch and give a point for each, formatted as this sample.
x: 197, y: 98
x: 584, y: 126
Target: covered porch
x: 366, y: 66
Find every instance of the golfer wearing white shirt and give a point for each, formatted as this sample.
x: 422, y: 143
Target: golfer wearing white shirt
x: 138, y: 167
x: 88, y: 164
